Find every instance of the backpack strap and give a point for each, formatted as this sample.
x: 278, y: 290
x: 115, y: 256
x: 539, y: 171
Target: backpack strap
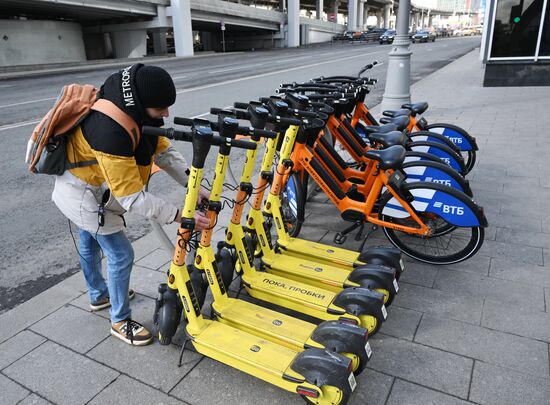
x: 120, y: 117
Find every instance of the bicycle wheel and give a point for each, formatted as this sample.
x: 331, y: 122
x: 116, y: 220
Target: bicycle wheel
x: 292, y: 205
x: 455, y: 221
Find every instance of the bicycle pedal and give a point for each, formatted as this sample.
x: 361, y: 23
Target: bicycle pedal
x: 339, y: 238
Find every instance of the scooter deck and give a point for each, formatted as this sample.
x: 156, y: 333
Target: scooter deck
x: 251, y: 354
x: 295, y: 295
x: 320, y: 274
x: 264, y: 322
x: 322, y: 253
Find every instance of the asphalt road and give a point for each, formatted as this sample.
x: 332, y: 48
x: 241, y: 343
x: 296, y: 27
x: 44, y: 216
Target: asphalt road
x: 36, y: 245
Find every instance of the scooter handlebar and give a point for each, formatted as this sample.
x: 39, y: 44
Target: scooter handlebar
x: 187, y: 136
x: 241, y: 130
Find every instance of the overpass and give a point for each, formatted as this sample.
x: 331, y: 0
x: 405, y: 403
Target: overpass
x: 48, y: 31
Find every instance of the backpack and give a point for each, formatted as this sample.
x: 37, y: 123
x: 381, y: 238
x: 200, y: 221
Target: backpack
x: 46, y: 149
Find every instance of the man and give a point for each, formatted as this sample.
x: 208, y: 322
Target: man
x: 95, y: 197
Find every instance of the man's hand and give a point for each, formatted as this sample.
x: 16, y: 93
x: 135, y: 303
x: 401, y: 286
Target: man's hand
x: 204, y: 194
x: 201, y: 221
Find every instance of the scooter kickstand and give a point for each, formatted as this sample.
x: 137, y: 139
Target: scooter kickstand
x: 182, y: 351
x: 374, y: 228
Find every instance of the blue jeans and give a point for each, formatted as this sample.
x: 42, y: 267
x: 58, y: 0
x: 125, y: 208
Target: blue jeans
x: 120, y: 258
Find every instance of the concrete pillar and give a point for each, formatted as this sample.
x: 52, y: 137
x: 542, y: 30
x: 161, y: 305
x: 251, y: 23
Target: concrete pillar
x: 387, y: 16
x: 183, y: 32
x: 282, y: 5
x: 430, y: 18
x: 320, y: 7
x: 360, y: 15
x: 379, y: 19
x: 336, y: 5
x: 159, y: 41
x: 293, y: 28
x: 352, y: 14
x: 108, y: 45
x: 130, y: 44
x: 365, y: 14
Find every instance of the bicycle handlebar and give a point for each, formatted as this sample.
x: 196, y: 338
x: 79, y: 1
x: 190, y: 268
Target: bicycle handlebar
x: 241, y: 130
x: 187, y: 136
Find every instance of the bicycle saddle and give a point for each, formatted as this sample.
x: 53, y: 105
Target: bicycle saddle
x: 390, y: 158
x: 416, y: 108
x: 380, y: 129
x: 397, y: 113
x: 402, y: 121
x: 389, y: 139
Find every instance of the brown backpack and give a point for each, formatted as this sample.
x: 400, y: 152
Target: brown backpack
x: 46, y: 149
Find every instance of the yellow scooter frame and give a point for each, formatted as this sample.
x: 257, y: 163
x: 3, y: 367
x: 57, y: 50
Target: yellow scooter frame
x: 276, y: 364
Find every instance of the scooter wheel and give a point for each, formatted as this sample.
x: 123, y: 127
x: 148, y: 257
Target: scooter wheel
x: 388, y: 296
x: 370, y: 323
x: 331, y: 395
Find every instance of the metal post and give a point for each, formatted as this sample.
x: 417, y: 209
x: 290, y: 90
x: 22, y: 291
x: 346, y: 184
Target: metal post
x: 360, y: 14
x: 398, y: 79
x: 320, y: 7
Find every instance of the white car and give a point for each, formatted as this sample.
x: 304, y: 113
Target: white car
x: 464, y: 32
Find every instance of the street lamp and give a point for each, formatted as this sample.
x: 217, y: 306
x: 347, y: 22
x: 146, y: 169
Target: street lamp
x: 398, y: 79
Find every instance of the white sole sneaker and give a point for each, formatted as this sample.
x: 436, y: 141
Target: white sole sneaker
x: 107, y: 304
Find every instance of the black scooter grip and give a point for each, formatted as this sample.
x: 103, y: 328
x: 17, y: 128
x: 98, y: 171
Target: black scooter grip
x: 242, y: 106
x: 235, y: 143
x: 264, y: 133
x: 183, y: 121
x: 170, y: 133
x: 285, y: 121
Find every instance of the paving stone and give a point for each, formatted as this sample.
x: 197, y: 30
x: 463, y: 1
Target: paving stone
x: 520, y: 272
x: 230, y: 386
x: 494, y: 289
x: 546, y: 224
x: 12, y: 393
x: 520, y: 222
x: 24, y: 315
x: 156, y: 260
x: 501, y: 386
x: 515, y: 352
x: 19, y: 345
x: 513, y: 251
x: 519, y: 321
x: 529, y: 238
x: 127, y: 390
x: 430, y: 367
x: 139, y: 362
x: 373, y: 388
x: 419, y: 274
x: 478, y: 265
x: 401, y: 322
x: 77, y: 378
x: 484, y: 186
x: 146, y: 281
x: 404, y: 392
x: 34, y: 399
x: 74, y: 328
x: 444, y: 304
x: 547, y: 299
x: 145, y: 246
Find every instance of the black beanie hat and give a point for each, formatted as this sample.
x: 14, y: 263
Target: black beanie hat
x: 155, y: 87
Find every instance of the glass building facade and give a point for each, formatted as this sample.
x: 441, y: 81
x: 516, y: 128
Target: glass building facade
x: 517, y: 47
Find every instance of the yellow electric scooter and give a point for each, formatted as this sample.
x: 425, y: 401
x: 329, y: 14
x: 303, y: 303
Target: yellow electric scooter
x: 324, y: 275
x: 321, y: 377
x: 357, y: 305
x: 344, y: 338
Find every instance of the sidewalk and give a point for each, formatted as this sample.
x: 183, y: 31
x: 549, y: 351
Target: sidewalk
x: 476, y: 332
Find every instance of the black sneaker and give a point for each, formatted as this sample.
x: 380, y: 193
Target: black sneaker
x: 131, y: 332
x: 106, y: 303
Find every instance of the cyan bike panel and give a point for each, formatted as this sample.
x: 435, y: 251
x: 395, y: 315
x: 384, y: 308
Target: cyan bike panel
x: 291, y: 195
x: 448, y: 207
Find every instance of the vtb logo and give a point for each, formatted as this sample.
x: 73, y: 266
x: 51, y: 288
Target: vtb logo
x: 449, y: 209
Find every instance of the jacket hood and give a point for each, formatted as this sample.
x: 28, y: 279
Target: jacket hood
x: 121, y: 89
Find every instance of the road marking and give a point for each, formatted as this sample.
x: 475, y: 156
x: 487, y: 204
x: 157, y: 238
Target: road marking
x: 178, y: 77
x: 27, y: 102
x: 234, y: 68
x: 208, y: 86
x: 291, y: 59
x: 17, y: 125
x: 5, y: 86
x: 83, y: 76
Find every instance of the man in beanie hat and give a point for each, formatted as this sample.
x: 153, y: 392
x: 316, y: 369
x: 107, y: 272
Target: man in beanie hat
x: 95, y: 197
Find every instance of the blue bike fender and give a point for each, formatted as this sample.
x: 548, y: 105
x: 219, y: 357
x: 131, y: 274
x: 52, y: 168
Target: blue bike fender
x: 430, y: 175
x: 292, y: 195
x: 453, y: 206
x: 444, y: 156
x: 464, y: 142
